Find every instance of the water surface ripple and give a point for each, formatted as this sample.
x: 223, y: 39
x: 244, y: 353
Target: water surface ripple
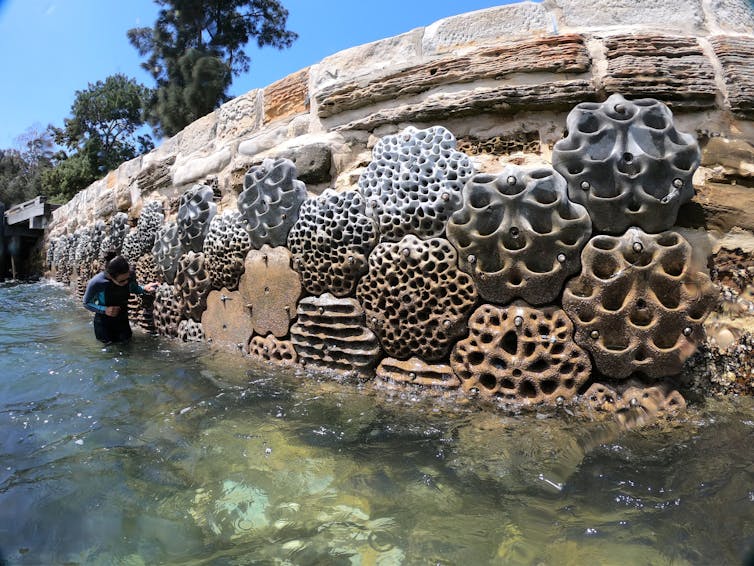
x: 160, y: 453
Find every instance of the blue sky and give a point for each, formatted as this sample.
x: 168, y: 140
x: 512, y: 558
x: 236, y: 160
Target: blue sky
x: 52, y: 48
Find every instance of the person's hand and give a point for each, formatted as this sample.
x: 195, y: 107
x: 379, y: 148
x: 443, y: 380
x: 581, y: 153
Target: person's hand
x: 151, y: 287
x: 112, y: 311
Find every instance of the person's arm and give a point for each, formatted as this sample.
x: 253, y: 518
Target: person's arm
x: 135, y: 288
x: 92, y: 299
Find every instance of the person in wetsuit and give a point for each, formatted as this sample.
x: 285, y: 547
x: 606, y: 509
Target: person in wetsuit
x: 107, y: 297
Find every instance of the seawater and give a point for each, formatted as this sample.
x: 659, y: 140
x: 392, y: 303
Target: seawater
x: 158, y: 452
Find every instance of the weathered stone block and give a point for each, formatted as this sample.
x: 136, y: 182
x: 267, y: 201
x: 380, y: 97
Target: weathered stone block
x: 287, y: 97
x: 155, y: 176
x: 313, y: 162
x: 732, y: 15
x: 736, y: 55
x: 197, y: 135
x: 671, y: 68
x: 369, y: 59
x: 190, y: 169
x: 502, y: 22
x: 683, y: 15
x: 556, y: 54
x: 240, y: 116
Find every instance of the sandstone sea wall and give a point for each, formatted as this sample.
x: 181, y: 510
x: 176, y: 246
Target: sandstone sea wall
x: 269, y: 224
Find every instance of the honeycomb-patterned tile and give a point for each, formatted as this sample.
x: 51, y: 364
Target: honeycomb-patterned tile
x: 415, y: 297
x: 193, y: 281
x: 413, y: 183
x: 270, y: 201
x: 330, y: 333
x: 639, y: 303
x: 195, y: 212
x: 225, y: 247
x: 416, y: 374
x: 167, y: 310
x: 518, y: 235
x: 627, y: 164
x: 271, y: 349
x: 330, y: 242
x: 520, y: 355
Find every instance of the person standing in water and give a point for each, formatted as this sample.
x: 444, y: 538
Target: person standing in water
x: 107, y: 297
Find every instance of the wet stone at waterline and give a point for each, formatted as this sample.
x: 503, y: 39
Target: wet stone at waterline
x: 167, y: 310
x: 627, y: 164
x: 193, y: 282
x: 227, y: 322
x: 331, y: 240
x: 415, y: 297
x: 414, y: 182
x: 225, y: 248
x: 271, y: 349
x: 639, y: 303
x: 195, y: 212
x: 518, y: 235
x: 520, y: 355
x: 330, y: 332
x: 270, y: 289
x: 415, y: 374
x: 270, y: 201
x: 167, y: 250
x: 651, y: 401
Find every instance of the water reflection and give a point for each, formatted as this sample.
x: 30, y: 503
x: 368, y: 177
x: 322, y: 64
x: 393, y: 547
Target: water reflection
x: 163, y: 453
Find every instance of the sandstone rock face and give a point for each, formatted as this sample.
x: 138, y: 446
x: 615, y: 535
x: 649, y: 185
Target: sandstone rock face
x: 563, y: 54
x: 518, y: 235
x: 639, y: 304
x: 673, y: 69
x: 286, y: 97
x: 735, y: 55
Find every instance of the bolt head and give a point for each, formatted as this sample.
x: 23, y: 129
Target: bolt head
x: 445, y: 196
x: 619, y: 108
x: 677, y: 183
x: 585, y: 185
x: 512, y: 180
x: 406, y: 252
x: 446, y: 323
x: 518, y: 321
x: 637, y: 247
x: 514, y: 232
x: 471, y: 259
x: 594, y: 334
x: 412, y: 376
x: 321, y: 310
x: 687, y: 331
x: 561, y: 258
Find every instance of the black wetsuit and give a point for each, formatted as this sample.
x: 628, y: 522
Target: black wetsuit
x: 102, y: 293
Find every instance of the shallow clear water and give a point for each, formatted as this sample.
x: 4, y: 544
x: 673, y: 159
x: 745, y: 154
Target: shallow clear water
x: 162, y: 453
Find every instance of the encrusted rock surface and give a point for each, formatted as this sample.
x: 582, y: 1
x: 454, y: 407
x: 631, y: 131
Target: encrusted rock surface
x: 518, y: 235
x: 193, y: 281
x: 270, y: 289
x: 639, y: 303
x: 270, y: 201
x: 627, y: 164
x: 652, y: 401
x: 520, y: 355
x: 226, y: 322
x: 671, y: 68
x: 330, y: 333
x: 272, y: 349
x: 331, y: 240
x: 416, y: 374
x: 735, y: 54
x: 415, y: 297
x: 195, y: 212
x: 413, y: 183
x: 225, y: 247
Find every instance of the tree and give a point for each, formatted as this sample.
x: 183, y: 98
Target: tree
x: 22, y: 168
x: 102, y: 132
x: 196, y: 47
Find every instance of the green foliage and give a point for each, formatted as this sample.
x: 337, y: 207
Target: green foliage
x: 21, y: 169
x: 196, y: 47
x: 102, y: 133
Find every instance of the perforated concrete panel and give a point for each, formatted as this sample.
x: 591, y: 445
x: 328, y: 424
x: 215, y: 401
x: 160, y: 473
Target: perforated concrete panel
x: 195, y: 211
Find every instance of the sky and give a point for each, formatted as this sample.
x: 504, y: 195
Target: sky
x: 52, y: 48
